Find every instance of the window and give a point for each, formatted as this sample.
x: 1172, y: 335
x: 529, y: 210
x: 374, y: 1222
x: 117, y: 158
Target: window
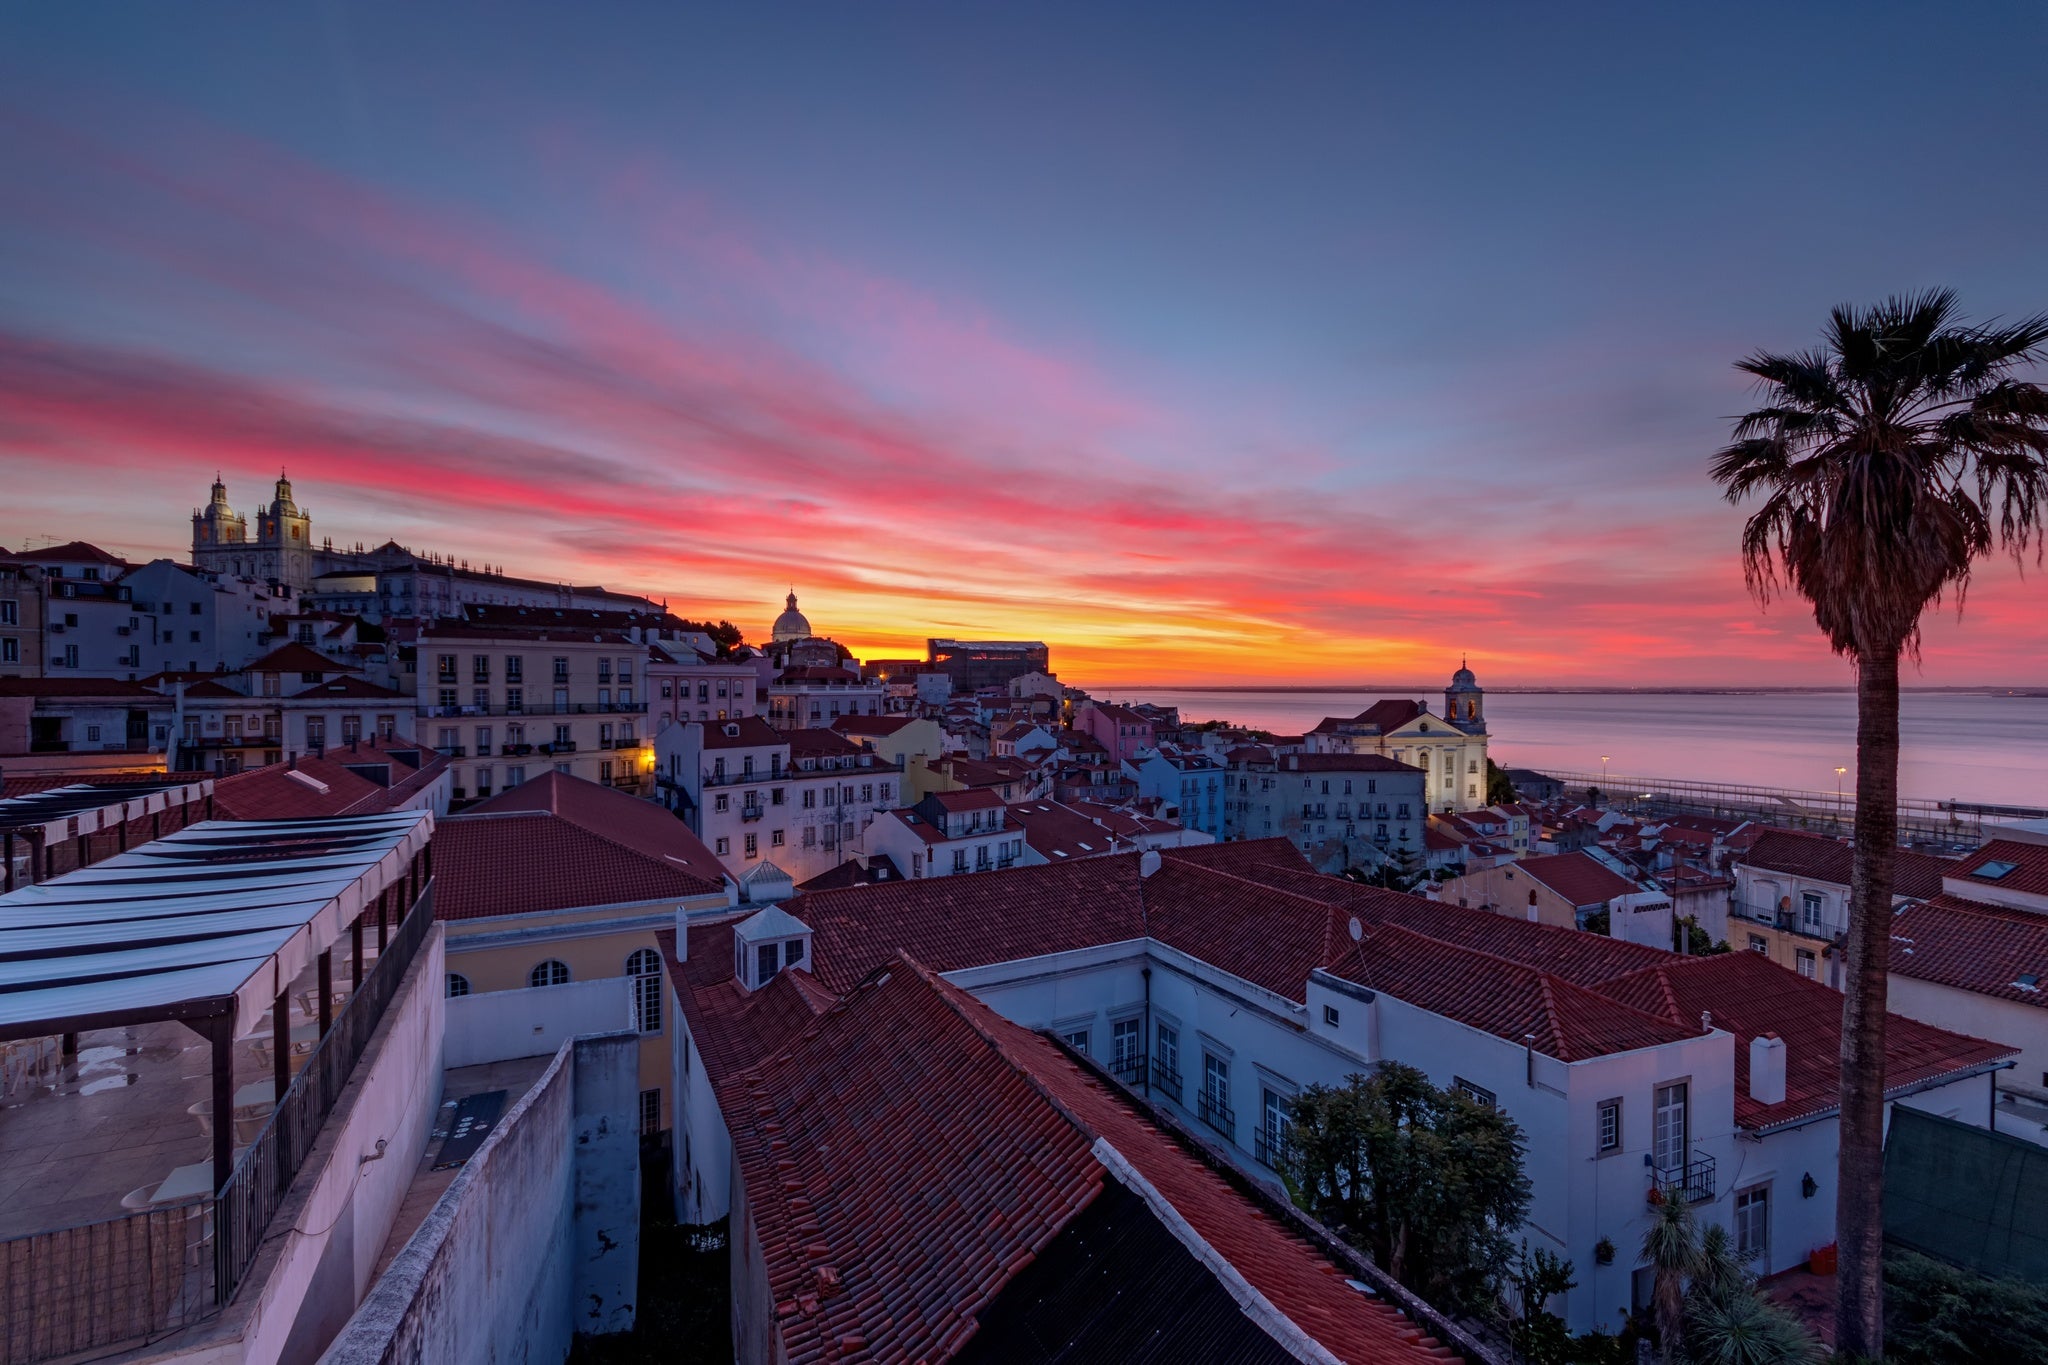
x: 10, y: 651
x: 1757, y: 944
x: 1669, y: 1134
x: 458, y: 984
x: 1995, y: 870
x: 753, y: 845
x: 959, y: 860
x: 792, y: 951
x: 1214, y: 1106
x: 549, y: 973
x: 444, y: 668
x: 1270, y: 1143
x: 766, y: 961
x: 1330, y: 1015
x: 810, y: 800
x: 724, y: 847
x: 1610, y: 1127
x: 515, y: 669
x: 561, y: 669
x: 650, y: 1112
x: 480, y: 668
x: 1810, y: 911
x: 644, y: 967
x: 1478, y: 1094
x: 1806, y: 962
x: 1076, y: 1039
x: 1126, y: 1048
x: 1753, y: 1224
x: 10, y: 613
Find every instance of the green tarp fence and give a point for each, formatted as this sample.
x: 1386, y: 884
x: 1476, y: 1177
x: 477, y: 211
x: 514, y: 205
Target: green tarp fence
x: 1965, y: 1195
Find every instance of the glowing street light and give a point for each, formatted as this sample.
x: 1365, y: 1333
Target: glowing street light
x: 1838, y: 786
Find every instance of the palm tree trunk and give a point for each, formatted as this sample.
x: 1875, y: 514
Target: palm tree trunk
x: 1859, y: 1186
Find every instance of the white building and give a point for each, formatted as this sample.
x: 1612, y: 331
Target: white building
x: 1221, y: 980
x: 1450, y: 749
x: 798, y: 799
x: 686, y: 684
x: 1188, y: 780
x: 1343, y: 810
x: 947, y: 834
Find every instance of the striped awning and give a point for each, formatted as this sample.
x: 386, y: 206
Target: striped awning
x: 222, y: 915
x: 87, y: 808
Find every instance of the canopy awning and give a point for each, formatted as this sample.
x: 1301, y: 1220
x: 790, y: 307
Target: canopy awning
x: 88, y: 808
x: 217, y: 918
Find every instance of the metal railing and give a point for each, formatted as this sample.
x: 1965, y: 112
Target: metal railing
x: 1807, y: 809
x: 1694, y: 1179
x: 1269, y: 1147
x: 1213, y: 1110
x: 245, y: 1205
x: 1166, y: 1079
x: 1128, y: 1067
x: 143, y: 1274
x: 540, y: 708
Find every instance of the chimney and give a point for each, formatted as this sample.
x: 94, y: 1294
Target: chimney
x: 1148, y: 862
x: 1532, y: 905
x: 682, y: 934
x: 1767, y: 1069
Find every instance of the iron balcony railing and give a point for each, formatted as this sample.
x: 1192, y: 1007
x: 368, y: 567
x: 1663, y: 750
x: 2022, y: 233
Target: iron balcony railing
x: 1166, y: 1079
x: 1215, y: 1111
x: 1128, y: 1067
x: 752, y: 812
x: 1693, y: 1178
x: 1270, y: 1146
x: 541, y: 708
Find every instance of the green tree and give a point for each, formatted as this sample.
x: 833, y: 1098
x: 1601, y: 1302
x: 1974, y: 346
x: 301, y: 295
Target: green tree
x: 1499, y: 790
x: 1539, y: 1336
x: 1889, y: 460
x: 1422, y: 1180
x: 1936, y: 1314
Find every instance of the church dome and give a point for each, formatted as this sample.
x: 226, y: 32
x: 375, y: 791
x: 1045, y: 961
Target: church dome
x: 791, y: 625
x: 1463, y: 680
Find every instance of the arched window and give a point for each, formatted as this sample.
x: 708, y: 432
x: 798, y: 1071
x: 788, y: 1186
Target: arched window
x: 644, y: 966
x: 549, y: 973
x: 458, y: 984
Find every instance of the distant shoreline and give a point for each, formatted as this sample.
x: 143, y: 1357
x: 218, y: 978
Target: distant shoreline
x: 1402, y: 689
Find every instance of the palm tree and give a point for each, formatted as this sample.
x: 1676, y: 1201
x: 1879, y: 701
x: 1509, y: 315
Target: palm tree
x: 1671, y: 1248
x: 1889, y: 461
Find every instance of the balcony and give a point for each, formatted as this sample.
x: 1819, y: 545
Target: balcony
x: 1165, y: 1079
x: 542, y: 708
x: 516, y: 749
x: 1694, y: 1179
x: 560, y: 746
x: 752, y: 812
x: 1270, y: 1147
x: 1215, y: 1111
x: 1128, y: 1067
x: 451, y: 750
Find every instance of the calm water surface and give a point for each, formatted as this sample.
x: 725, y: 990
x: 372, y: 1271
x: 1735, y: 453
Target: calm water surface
x: 1955, y: 745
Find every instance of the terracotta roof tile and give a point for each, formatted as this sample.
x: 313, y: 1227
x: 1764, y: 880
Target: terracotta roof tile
x: 1748, y: 995
x: 2029, y: 873
x: 640, y: 825
x: 528, y: 861
x: 297, y: 658
x: 1821, y: 859
x: 396, y: 772
x: 1579, y: 877
x: 1971, y: 946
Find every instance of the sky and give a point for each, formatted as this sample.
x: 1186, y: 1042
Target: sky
x: 1262, y: 343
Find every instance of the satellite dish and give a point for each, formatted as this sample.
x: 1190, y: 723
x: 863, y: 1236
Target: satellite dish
x: 1357, y: 930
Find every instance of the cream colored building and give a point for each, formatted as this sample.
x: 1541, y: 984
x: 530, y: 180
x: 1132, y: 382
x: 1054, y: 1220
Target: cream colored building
x: 507, y: 706
x: 1449, y: 748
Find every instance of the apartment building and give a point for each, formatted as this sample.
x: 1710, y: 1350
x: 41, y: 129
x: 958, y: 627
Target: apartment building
x: 800, y: 799
x: 506, y: 704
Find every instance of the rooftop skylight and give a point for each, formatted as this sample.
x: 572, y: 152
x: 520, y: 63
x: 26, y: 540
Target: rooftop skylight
x: 1993, y: 870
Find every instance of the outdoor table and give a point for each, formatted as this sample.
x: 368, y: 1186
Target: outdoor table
x: 186, y: 1182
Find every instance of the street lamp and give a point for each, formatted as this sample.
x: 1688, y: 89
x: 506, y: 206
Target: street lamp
x: 1838, y: 793
x: 1603, y: 774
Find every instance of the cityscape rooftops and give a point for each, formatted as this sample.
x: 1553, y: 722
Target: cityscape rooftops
x: 1989, y: 949
x: 1578, y: 877
x: 1822, y: 859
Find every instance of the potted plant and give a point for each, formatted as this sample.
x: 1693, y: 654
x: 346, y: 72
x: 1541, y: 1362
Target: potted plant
x: 1603, y: 1252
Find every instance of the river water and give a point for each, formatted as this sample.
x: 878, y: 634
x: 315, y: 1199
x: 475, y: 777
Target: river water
x: 1969, y: 746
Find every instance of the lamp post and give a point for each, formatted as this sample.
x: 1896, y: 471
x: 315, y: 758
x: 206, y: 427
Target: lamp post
x: 1838, y: 794
x: 1603, y: 777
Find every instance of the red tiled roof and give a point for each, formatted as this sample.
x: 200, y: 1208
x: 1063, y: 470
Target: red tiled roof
x: 273, y: 793
x: 345, y: 689
x: 524, y: 862
x: 734, y: 1028
x: 2029, y: 874
x: 1343, y: 763
x: 213, y: 691
x: 296, y: 658
x: 1578, y: 877
x: 834, y: 1142
x: 640, y: 825
x: 1059, y: 833
x: 70, y: 552
x: 820, y: 743
x: 1210, y: 914
x: 1818, y: 858
x: 953, y: 922
x: 747, y: 732
x: 1502, y: 997
x: 1971, y: 946
x: 974, y: 798
x: 1748, y: 995
x: 874, y: 726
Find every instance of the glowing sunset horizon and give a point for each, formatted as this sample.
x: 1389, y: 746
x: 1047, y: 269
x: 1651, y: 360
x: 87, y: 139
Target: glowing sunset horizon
x: 1321, y: 422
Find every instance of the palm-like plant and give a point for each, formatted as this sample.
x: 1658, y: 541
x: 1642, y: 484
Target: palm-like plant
x: 1671, y: 1248
x: 1746, y: 1330
x: 1889, y: 461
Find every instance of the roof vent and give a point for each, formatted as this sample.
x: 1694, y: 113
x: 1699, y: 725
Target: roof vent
x: 1149, y: 862
x: 1767, y: 1069
x: 1993, y: 871
x: 309, y: 780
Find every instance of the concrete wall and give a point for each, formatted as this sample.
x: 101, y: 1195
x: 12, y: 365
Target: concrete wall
x: 534, y: 1021
x: 536, y: 1238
